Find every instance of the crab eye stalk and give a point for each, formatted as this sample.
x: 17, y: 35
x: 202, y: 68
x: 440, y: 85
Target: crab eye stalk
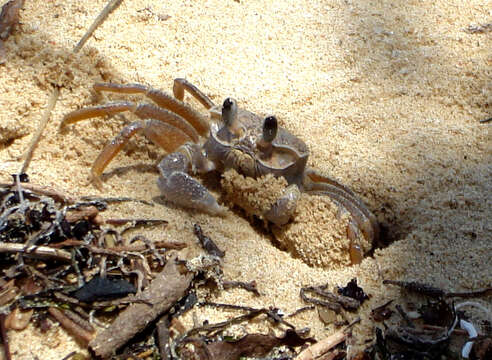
x: 269, y: 129
x: 229, y: 113
x: 264, y: 144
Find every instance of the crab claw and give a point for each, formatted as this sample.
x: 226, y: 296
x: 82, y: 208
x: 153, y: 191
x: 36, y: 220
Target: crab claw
x: 178, y: 187
x: 283, y: 209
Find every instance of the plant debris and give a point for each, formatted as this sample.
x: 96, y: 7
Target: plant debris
x: 248, y: 286
x: 103, y: 288
x: 208, y: 245
x: 431, y: 291
x: 53, y: 247
x: 331, y: 300
x: 382, y: 312
x: 479, y: 29
x: 321, y: 348
x: 426, y: 332
x: 9, y: 18
x: 164, y: 291
x: 251, y: 345
x: 353, y: 291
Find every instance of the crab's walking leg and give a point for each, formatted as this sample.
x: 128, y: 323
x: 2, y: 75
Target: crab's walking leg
x: 161, y: 134
x: 178, y: 187
x: 143, y: 111
x: 163, y: 100
x: 180, y: 85
x: 317, y: 184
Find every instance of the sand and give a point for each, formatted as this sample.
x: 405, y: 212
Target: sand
x: 387, y: 95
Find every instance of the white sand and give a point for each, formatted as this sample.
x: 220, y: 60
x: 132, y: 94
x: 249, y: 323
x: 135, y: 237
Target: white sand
x: 387, y: 95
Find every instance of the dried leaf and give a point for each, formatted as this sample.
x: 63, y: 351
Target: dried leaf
x: 251, y: 345
x: 104, y: 288
x: 353, y: 291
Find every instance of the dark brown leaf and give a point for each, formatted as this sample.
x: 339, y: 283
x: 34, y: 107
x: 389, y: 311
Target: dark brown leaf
x: 353, y: 291
x: 253, y: 345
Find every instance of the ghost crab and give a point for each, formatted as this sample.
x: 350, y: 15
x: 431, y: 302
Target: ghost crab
x: 234, y: 138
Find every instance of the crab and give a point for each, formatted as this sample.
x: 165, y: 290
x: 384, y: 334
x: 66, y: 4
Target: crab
x: 232, y: 138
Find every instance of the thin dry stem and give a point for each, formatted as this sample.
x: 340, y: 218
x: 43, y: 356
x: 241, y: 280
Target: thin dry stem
x: 163, y: 292
x: 76, y: 330
x: 110, y: 7
x: 322, y: 347
x: 36, y: 251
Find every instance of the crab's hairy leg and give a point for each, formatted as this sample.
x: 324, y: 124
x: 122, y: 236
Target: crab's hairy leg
x: 165, y: 135
x: 317, y: 184
x: 316, y: 177
x: 147, y: 111
x: 162, y: 134
x: 143, y: 111
x: 178, y: 187
x: 95, y: 111
x: 163, y: 100
x: 111, y: 150
x: 180, y: 85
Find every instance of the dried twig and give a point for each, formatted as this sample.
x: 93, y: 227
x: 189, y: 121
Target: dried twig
x: 163, y: 338
x: 248, y: 286
x: 69, y: 355
x: 111, y: 6
x: 322, y: 347
x: 36, y: 251
x: 416, y: 287
x: 86, y: 212
x: 4, y: 336
x: 80, y: 333
x: 45, y: 191
x: 300, y: 310
x: 168, y: 287
x: 271, y: 313
x: 433, y: 292
x: 40, y: 128
x: 328, y: 299
x: 110, y: 200
x: 207, y: 243
x: 108, y: 9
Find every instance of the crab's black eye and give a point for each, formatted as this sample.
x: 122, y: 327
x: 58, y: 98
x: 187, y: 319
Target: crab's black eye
x: 269, y: 128
x: 228, y: 103
x: 229, y: 112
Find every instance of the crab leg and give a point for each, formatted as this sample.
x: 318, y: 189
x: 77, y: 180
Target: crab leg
x: 180, y: 85
x: 163, y: 100
x: 178, y: 187
x: 143, y: 111
x: 317, y: 184
x: 162, y: 134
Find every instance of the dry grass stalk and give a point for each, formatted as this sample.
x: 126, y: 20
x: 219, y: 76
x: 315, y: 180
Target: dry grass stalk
x: 80, y: 333
x: 317, y: 350
x: 36, y: 251
x: 164, y: 291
